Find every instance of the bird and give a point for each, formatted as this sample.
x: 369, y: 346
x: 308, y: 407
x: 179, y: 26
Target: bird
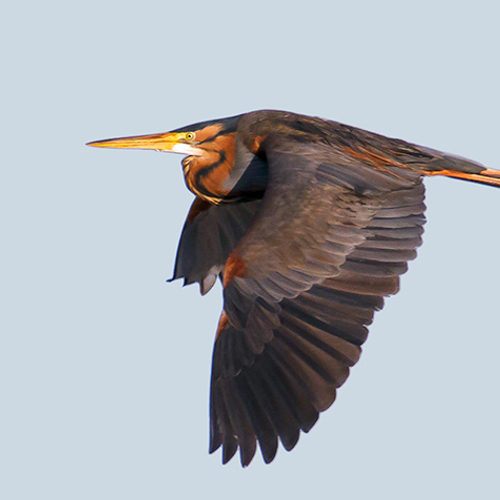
x: 308, y: 224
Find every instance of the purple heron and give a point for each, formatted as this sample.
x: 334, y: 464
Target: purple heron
x: 308, y: 223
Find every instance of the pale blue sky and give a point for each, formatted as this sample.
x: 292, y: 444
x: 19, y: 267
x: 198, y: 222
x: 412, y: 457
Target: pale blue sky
x: 104, y: 367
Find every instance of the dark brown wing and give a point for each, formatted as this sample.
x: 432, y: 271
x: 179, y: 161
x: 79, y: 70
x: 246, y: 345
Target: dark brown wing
x: 210, y: 233
x: 331, y: 237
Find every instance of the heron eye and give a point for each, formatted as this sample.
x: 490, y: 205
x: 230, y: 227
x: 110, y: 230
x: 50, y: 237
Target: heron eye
x: 190, y: 136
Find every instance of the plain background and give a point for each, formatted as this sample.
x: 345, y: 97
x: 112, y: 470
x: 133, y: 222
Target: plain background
x: 104, y: 367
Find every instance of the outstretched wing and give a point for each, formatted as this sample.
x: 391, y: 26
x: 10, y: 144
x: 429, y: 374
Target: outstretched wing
x: 210, y: 233
x: 327, y: 244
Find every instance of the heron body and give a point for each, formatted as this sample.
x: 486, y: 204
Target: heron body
x: 308, y: 223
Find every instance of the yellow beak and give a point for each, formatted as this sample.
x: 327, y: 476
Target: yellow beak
x: 170, y: 141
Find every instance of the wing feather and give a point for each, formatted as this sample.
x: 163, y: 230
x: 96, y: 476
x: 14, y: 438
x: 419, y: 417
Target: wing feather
x: 324, y: 248
x: 217, y: 229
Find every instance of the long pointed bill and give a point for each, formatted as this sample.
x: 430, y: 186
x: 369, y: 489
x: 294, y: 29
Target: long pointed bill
x: 171, y: 141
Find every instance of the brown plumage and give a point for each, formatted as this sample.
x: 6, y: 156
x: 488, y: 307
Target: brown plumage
x: 309, y: 224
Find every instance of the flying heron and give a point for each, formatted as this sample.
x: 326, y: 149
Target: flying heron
x: 308, y: 223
